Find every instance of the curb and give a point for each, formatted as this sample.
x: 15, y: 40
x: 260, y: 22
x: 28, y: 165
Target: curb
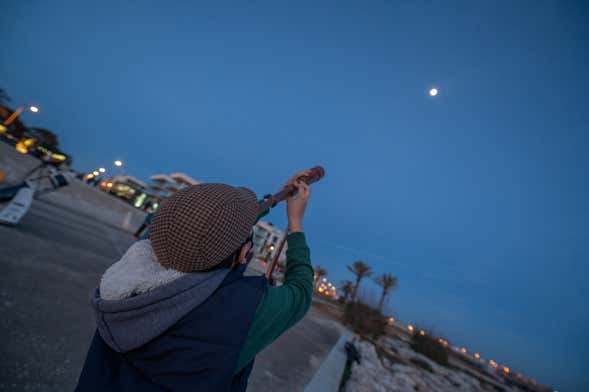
x: 329, y: 375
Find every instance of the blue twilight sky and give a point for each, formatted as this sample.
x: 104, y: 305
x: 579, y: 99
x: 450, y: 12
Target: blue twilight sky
x: 476, y: 199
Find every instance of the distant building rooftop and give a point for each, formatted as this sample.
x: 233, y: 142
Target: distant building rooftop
x: 127, y: 179
x: 161, y: 178
x: 165, y: 185
x: 182, y: 178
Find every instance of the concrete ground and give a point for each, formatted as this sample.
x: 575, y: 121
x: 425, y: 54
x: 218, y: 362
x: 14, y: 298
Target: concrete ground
x: 52, y: 261
x: 292, y: 360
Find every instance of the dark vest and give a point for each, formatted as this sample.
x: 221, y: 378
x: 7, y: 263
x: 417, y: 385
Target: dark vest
x: 198, y: 353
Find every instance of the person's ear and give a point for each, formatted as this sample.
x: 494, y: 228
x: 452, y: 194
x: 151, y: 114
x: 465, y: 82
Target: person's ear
x: 243, y: 252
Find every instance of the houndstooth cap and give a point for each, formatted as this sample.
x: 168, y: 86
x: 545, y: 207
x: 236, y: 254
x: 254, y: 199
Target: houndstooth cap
x: 200, y: 226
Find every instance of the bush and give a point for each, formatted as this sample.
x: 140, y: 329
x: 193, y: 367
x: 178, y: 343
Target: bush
x: 430, y: 347
x: 364, y: 320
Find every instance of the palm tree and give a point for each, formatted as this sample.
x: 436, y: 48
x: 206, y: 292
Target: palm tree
x: 319, y: 273
x: 360, y: 270
x: 347, y: 287
x: 387, y: 282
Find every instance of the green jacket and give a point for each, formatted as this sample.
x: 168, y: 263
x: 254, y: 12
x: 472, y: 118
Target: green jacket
x: 281, y: 307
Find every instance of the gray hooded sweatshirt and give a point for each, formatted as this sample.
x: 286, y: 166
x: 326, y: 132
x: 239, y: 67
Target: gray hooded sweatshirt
x: 138, y: 299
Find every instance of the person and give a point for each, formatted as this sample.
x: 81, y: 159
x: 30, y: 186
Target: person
x: 352, y: 353
x: 176, y: 313
x: 143, y: 231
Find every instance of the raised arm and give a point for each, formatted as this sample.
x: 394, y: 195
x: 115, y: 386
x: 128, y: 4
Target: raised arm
x: 282, y: 307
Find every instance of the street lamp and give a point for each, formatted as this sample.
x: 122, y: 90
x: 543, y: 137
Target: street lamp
x: 102, y: 170
x: 118, y: 163
x: 18, y: 111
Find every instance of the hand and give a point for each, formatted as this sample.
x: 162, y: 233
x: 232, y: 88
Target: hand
x: 296, y: 205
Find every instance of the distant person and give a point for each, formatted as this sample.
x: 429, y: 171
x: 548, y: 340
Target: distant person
x: 143, y: 230
x: 352, y: 354
x: 177, y: 314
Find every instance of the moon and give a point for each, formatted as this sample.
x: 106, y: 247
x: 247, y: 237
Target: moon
x: 433, y: 92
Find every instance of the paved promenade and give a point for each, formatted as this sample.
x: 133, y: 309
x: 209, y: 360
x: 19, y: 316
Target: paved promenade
x: 51, y: 262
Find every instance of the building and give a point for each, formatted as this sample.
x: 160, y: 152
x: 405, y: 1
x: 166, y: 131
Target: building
x: 128, y: 188
x: 142, y: 195
x: 184, y: 180
x: 266, y: 239
x: 164, y: 185
x: 38, y: 142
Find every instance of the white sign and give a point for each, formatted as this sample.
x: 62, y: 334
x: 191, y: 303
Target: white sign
x: 18, y: 206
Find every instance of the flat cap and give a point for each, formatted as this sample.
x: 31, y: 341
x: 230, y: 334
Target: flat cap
x: 200, y: 226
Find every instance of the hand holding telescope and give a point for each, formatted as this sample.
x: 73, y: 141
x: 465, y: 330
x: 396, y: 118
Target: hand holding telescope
x: 290, y: 189
x: 314, y: 174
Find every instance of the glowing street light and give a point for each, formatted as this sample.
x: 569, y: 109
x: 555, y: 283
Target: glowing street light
x: 18, y: 111
x: 102, y: 170
x: 118, y: 163
x: 433, y: 92
x: 443, y: 342
x: 410, y: 328
x: 95, y: 172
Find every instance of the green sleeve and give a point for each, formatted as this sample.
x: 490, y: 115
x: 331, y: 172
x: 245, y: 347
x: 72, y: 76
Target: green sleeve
x: 281, y: 307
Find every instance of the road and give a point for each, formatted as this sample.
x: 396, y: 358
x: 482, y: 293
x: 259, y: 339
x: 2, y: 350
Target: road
x: 52, y: 261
